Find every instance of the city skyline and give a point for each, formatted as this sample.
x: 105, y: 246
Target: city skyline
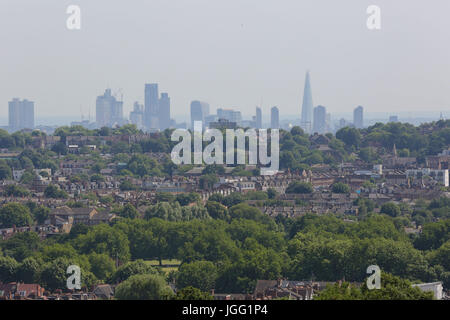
x: 53, y: 60
x: 155, y: 114
x: 109, y: 113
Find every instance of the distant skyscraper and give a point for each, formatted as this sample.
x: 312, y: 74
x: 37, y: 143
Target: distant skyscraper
x: 21, y: 114
x: 164, y: 111
x: 199, y: 111
x: 211, y: 118
x: 137, y: 115
x: 117, y: 112
x: 358, y: 117
x: 258, y: 118
x: 307, y: 106
x: 328, y: 123
x: 108, y: 111
x: 274, y: 118
x: 230, y: 115
x: 151, y: 106
x: 393, y: 119
x: 342, y: 123
x: 319, y: 123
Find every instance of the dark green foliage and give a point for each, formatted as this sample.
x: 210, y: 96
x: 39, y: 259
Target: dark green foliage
x: 144, y: 287
x: 15, y: 191
x: 191, y: 293
x: 207, y: 181
x: 391, y: 209
x: 53, y: 191
x: 299, y: 187
x: 132, y: 268
x: 433, y: 235
x: 233, y: 199
x: 186, y: 198
x: 5, y: 170
x: 340, y: 187
x: 128, y: 211
x: 217, y: 210
x: 198, y: 274
x: 350, y: 136
x: 15, y: 214
x: 8, y: 269
x: 29, y: 270
x: 21, y: 245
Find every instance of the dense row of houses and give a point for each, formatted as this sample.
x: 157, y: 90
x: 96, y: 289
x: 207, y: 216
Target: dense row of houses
x: 264, y: 290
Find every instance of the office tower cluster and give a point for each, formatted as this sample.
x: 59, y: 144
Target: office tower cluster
x: 393, y: 118
x: 230, y: 115
x: 154, y: 115
x: 108, y: 110
x: 313, y: 120
x: 228, y: 118
x: 21, y: 114
x: 317, y: 120
x: 156, y: 111
x: 137, y: 115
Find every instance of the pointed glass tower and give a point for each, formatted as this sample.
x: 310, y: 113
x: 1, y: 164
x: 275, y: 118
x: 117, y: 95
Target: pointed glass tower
x: 307, y: 106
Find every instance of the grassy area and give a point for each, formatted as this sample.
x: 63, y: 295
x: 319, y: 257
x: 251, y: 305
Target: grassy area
x: 164, y: 262
x: 167, y: 270
x: 172, y: 263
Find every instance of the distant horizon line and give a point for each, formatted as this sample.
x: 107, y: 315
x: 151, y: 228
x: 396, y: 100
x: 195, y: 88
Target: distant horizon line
x: 422, y: 113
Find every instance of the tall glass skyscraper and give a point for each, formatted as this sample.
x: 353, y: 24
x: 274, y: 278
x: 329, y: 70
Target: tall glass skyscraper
x: 108, y: 110
x: 258, y: 118
x: 21, y: 114
x: 199, y: 111
x: 358, y: 120
x: 320, y: 120
x: 274, y: 118
x: 307, y: 106
x: 164, y: 111
x: 151, y: 106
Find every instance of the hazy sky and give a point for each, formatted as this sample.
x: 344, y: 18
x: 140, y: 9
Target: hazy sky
x: 230, y: 53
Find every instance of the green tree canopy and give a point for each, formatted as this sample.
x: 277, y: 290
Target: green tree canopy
x: 299, y: 187
x: 199, y: 274
x: 15, y: 214
x: 144, y: 287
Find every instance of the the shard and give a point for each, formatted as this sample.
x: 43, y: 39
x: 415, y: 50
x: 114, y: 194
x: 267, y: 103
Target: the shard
x: 307, y: 106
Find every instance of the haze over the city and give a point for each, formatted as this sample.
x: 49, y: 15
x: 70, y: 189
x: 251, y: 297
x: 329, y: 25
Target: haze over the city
x: 232, y: 54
